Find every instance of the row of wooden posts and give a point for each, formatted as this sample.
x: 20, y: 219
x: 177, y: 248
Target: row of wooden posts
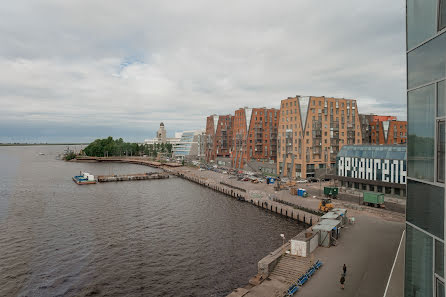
x: 275, y: 207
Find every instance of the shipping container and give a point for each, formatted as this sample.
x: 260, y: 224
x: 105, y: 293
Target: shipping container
x: 373, y: 199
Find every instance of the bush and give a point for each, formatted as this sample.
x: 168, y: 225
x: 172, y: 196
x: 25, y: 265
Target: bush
x: 69, y: 156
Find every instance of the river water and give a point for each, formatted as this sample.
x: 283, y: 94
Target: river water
x: 140, y: 238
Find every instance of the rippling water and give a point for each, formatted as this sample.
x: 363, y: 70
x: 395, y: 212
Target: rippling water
x: 142, y: 238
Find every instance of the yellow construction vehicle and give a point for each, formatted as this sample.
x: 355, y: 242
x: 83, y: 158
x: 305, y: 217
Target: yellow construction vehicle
x: 325, y: 205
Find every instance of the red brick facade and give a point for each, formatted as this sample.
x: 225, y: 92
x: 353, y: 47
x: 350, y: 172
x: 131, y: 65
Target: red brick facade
x: 254, y: 135
x: 388, y: 132
x: 218, y: 136
x: 311, y: 132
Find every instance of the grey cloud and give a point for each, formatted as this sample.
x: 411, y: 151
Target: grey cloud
x: 134, y: 64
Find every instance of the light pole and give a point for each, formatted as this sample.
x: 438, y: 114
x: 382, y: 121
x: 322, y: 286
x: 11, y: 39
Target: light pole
x: 283, y: 240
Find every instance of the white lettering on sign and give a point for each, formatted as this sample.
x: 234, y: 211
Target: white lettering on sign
x: 341, y: 167
x: 393, y: 171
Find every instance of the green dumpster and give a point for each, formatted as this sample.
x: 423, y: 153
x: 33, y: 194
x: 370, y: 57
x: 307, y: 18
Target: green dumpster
x: 373, y: 199
x: 331, y: 192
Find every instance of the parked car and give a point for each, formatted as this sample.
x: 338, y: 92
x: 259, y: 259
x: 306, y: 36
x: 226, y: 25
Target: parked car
x: 312, y: 180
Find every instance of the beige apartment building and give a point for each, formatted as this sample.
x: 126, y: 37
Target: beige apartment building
x: 311, y: 132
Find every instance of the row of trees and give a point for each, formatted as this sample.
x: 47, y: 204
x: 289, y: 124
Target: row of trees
x: 117, y: 147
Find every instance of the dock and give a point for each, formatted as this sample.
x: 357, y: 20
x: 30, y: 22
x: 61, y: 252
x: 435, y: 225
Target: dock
x: 130, y: 177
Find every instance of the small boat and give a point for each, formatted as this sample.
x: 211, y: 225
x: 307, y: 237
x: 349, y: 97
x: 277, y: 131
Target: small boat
x: 84, y: 179
x: 42, y: 154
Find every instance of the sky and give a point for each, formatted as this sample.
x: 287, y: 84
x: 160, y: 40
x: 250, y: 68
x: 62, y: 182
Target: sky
x: 74, y: 71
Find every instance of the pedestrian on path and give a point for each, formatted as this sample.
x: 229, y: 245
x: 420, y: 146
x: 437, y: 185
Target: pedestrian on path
x: 342, y: 281
x: 344, y: 269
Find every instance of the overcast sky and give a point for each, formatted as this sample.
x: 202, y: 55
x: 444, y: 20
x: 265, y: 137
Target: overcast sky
x: 79, y: 70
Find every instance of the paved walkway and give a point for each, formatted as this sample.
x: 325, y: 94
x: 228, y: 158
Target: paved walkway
x: 368, y: 248
x: 396, y: 282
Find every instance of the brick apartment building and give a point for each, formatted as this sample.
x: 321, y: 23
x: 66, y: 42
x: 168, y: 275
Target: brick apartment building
x: 389, y: 132
x: 383, y: 129
x: 254, y: 135
x: 311, y: 132
x: 218, y: 136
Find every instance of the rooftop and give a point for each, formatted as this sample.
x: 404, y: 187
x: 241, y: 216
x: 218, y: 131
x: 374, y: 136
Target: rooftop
x: 391, y: 152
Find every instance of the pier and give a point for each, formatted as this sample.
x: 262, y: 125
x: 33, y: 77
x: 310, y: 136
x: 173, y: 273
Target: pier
x: 130, y: 177
x: 243, y: 195
x: 240, y: 193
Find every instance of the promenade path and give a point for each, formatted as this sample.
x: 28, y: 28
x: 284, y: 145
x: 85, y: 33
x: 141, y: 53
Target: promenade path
x: 368, y: 248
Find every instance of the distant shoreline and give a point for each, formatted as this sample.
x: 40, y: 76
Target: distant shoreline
x: 39, y: 144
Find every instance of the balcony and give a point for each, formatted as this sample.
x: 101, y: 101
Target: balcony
x: 317, y: 125
x: 334, y: 141
x: 316, y: 143
x: 334, y: 126
x: 317, y: 134
x: 317, y: 150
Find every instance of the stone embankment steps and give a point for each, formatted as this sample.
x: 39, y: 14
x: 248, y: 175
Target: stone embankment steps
x: 290, y: 268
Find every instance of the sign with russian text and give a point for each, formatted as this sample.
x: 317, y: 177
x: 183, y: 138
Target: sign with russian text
x: 391, y: 171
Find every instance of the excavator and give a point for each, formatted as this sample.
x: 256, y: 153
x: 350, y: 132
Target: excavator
x: 325, y: 205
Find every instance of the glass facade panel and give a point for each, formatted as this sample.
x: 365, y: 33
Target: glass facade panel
x: 418, y: 272
x: 439, y: 288
x: 421, y: 16
x: 439, y: 258
x: 427, y: 63
x: 442, y: 15
x: 425, y: 207
x: 440, y: 151
x: 441, y: 92
x: 421, y: 133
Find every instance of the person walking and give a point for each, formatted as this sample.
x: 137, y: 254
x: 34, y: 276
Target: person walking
x: 344, y: 269
x: 342, y: 281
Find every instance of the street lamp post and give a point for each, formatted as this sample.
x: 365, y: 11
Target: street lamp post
x: 283, y: 241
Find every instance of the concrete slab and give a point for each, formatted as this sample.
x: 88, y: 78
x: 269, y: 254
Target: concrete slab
x: 240, y: 292
x: 396, y: 282
x: 368, y: 249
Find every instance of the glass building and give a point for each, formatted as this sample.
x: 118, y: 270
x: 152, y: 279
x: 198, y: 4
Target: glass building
x: 426, y: 74
x: 189, y: 145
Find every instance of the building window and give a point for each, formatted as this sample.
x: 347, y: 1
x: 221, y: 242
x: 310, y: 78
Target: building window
x: 422, y: 63
x: 421, y: 16
x: 442, y: 15
x: 441, y: 107
x: 440, y: 151
x: 421, y: 131
x: 425, y: 207
x: 439, y: 288
x: 439, y: 258
x: 418, y: 270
